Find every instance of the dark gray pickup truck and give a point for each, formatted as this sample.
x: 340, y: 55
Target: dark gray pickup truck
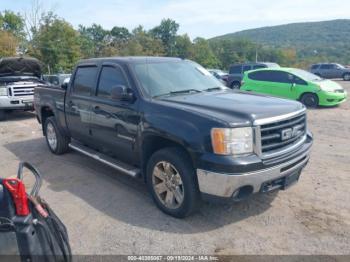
x: 170, y: 122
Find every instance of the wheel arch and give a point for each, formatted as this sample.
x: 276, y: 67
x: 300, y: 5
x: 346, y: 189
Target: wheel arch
x: 153, y: 143
x: 45, y: 112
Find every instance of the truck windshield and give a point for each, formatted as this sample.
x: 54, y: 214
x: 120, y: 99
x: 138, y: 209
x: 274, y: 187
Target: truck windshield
x: 174, y: 77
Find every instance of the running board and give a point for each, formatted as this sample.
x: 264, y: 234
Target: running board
x: 107, y: 160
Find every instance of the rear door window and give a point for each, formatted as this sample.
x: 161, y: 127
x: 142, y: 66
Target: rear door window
x: 246, y: 68
x: 260, y: 76
x: 109, y: 78
x: 85, y: 80
x: 280, y: 77
x: 270, y: 76
x: 237, y: 69
x: 258, y: 66
x: 326, y: 66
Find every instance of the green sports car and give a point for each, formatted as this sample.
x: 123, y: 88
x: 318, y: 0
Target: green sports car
x: 295, y: 84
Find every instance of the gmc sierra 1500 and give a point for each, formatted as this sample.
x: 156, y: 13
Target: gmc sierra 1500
x: 18, y: 78
x: 172, y: 123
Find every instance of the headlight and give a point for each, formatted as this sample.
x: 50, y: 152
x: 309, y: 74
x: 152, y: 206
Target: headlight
x: 232, y: 141
x: 3, y: 91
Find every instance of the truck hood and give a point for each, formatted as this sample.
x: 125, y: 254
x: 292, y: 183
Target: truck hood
x: 20, y: 66
x: 235, y: 108
x: 328, y: 85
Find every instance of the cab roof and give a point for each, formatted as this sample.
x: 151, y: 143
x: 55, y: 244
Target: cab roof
x: 131, y: 59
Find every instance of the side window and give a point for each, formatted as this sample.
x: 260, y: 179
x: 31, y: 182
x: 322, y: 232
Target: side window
x: 258, y: 66
x: 84, y: 80
x: 260, y: 76
x: 326, y: 66
x: 297, y: 80
x: 110, y: 77
x: 237, y: 69
x: 246, y: 68
x: 280, y: 77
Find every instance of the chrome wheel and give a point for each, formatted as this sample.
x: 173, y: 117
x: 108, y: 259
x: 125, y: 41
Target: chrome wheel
x: 51, y: 136
x: 167, y: 185
x: 347, y: 77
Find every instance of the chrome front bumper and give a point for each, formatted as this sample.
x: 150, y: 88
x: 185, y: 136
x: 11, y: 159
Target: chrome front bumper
x: 16, y: 102
x: 224, y: 185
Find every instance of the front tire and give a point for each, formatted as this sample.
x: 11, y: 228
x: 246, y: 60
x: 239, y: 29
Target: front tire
x: 346, y: 77
x: 309, y: 100
x: 172, y: 182
x: 55, y: 139
x: 236, y: 85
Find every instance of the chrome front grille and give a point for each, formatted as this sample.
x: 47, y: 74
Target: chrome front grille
x: 281, y: 136
x: 22, y: 91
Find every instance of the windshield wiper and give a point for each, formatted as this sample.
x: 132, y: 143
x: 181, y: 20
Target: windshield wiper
x: 214, y: 88
x: 185, y: 91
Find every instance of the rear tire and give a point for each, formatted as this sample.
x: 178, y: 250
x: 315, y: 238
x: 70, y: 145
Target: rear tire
x: 346, y: 77
x: 309, y: 100
x: 182, y: 188
x: 235, y: 85
x: 55, y: 139
x: 2, y: 115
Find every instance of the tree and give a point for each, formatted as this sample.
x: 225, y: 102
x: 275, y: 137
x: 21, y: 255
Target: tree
x: 203, y: 53
x: 94, y: 38
x: 120, y: 34
x: 8, y: 44
x: 56, y: 44
x: 166, y: 32
x: 13, y: 23
x: 183, y: 47
x: 142, y: 43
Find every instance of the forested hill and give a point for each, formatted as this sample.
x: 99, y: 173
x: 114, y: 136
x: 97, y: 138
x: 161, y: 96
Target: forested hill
x: 330, y: 39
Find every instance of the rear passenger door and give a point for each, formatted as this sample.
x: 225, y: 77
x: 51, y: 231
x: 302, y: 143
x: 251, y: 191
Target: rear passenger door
x: 280, y: 84
x: 325, y: 70
x: 78, y: 104
x: 114, y: 123
x: 276, y: 83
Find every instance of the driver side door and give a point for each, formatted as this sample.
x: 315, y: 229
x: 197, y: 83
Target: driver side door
x: 114, y: 122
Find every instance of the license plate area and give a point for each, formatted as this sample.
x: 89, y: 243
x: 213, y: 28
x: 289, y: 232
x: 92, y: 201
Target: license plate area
x: 281, y: 183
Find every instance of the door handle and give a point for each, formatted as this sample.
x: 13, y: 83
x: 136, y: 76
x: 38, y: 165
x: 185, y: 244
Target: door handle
x: 98, y: 110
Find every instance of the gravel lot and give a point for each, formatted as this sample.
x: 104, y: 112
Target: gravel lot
x: 109, y: 213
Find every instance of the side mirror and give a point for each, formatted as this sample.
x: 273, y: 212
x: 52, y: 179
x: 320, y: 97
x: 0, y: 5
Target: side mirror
x: 64, y: 86
x: 122, y: 93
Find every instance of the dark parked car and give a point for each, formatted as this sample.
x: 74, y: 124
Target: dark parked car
x: 331, y: 70
x: 237, y: 71
x: 168, y: 121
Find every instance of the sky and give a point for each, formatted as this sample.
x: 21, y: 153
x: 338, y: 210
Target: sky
x: 197, y: 18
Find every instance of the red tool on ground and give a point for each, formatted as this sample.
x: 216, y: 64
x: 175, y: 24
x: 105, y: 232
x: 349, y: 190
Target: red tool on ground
x: 19, y: 195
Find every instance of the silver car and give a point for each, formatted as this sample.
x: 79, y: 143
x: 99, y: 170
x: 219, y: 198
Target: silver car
x: 331, y: 70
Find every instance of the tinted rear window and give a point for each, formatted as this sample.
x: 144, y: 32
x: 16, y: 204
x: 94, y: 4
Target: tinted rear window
x: 259, y: 66
x: 237, y: 69
x: 270, y: 76
x: 84, y: 81
x: 327, y: 66
x: 260, y: 76
x: 246, y: 68
x: 314, y: 66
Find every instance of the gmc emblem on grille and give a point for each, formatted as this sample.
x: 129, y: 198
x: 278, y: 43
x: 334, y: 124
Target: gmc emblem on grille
x: 289, y: 133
